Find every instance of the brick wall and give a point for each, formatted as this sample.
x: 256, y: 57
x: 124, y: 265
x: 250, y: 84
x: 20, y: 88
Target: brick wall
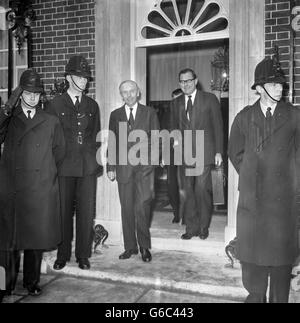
x: 63, y: 28
x: 278, y: 19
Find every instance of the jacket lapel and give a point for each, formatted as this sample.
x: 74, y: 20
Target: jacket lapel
x: 182, y: 113
x: 68, y: 101
x: 281, y: 116
x: 139, y: 117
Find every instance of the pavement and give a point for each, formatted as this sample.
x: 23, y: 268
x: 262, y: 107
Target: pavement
x: 195, y: 272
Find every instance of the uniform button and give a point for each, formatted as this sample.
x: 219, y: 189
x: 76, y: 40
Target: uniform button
x: 62, y: 114
x: 80, y: 133
x: 79, y: 123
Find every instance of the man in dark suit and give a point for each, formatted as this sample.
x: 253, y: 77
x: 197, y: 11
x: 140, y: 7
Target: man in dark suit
x: 30, y: 219
x: 198, y: 110
x: 135, y: 181
x: 264, y: 148
x: 79, y: 117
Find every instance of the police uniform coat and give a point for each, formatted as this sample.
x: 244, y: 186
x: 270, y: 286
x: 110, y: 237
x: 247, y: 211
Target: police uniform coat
x: 80, y: 159
x: 29, y: 193
x: 268, y: 168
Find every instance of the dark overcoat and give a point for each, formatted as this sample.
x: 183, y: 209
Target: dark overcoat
x: 29, y: 192
x: 268, y: 167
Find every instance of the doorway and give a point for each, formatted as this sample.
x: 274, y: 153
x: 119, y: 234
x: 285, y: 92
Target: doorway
x: 163, y: 66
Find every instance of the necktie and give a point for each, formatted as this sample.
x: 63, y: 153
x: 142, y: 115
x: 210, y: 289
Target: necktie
x: 269, y: 118
x: 131, y: 119
x: 28, y: 114
x: 77, y: 103
x: 189, y: 108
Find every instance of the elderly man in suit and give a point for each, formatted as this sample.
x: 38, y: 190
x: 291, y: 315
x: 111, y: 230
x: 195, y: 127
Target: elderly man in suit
x: 135, y: 182
x: 264, y: 148
x: 198, y: 110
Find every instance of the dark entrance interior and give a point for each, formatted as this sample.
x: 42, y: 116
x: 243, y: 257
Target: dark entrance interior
x: 163, y: 66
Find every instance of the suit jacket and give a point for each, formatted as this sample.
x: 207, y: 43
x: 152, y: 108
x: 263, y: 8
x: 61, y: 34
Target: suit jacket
x: 80, y: 159
x: 146, y: 120
x: 206, y: 116
x: 268, y: 167
x: 29, y: 192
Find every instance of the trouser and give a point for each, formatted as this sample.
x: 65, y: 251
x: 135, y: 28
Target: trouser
x: 135, y: 198
x: 198, y: 202
x: 173, y: 189
x: 77, y: 196
x: 255, y: 281
x: 10, y: 260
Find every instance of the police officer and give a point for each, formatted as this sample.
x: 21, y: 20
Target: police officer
x: 30, y: 219
x: 79, y: 116
x: 264, y: 148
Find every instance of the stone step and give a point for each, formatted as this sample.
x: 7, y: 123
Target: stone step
x: 196, y: 273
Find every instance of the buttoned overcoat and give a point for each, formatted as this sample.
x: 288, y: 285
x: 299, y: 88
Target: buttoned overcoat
x: 268, y: 167
x: 29, y: 194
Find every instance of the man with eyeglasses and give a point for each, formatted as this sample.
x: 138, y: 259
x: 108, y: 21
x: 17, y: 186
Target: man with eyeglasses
x: 198, y: 110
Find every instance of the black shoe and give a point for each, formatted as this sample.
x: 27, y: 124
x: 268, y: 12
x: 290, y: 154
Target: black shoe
x: 127, y: 254
x: 59, y: 264
x: 187, y: 236
x: 146, y: 255
x: 2, y: 294
x: 176, y: 220
x: 83, y: 263
x: 34, y: 290
x: 204, y: 233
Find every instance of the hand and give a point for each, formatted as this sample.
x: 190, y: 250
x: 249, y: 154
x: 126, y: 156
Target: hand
x: 111, y: 176
x: 218, y: 160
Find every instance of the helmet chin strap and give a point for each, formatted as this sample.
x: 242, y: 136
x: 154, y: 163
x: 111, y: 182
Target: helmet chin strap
x: 79, y: 88
x: 269, y: 94
x: 31, y: 106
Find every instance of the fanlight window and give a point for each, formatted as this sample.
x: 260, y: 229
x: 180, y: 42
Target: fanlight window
x: 173, y: 18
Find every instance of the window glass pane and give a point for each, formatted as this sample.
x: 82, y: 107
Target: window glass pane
x: 21, y: 59
x: 20, y: 70
x: 3, y: 96
x: 3, y: 79
x: 3, y: 59
x: 3, y: 39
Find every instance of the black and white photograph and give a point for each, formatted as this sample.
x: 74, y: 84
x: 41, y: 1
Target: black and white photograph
x: 149, y: 154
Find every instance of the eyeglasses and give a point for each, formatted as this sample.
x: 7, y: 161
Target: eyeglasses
x: 188, y: 82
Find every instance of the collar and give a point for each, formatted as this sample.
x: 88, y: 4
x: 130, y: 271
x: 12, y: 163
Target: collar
x: 193, y: 96
x: 264, y: 108
x: 134, y: 109
x: 33, y: 112
x: 73, y: 96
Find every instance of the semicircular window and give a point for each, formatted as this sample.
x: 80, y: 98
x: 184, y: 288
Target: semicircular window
x: 177, y: 18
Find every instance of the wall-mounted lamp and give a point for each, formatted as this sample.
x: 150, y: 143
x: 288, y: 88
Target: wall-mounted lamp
x: 19, y: 18
x: 220, y: 70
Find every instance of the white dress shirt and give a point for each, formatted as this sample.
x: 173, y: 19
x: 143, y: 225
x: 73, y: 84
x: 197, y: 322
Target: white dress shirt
x: 32, y: 114
x: 264, y: 108
x: 73, y: 97
x: 134, y: 109
x: 193, y: 96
